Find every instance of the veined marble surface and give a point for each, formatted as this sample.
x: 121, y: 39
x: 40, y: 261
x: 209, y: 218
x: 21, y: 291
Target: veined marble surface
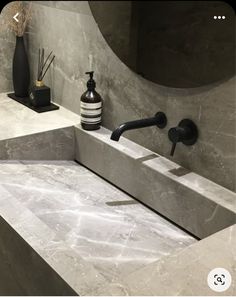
x: 17, y: 120
x: 186, y: 198
x: 57, y: 144
x: 23, y: 272
x: 185, y: 272
x: 108, y: 229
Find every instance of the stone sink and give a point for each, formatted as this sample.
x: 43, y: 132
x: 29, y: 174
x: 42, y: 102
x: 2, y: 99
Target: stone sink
x: 81, y: 214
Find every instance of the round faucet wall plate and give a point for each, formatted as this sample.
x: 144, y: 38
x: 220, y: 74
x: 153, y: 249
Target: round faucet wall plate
x: 186, y: 123
x: 162, y: 119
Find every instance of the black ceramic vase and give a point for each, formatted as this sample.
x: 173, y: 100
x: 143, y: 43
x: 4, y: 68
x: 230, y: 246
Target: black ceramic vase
x: 21, y: 75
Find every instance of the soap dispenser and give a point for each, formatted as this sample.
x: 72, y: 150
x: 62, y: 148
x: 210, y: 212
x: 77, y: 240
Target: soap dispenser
x: 91, y: 106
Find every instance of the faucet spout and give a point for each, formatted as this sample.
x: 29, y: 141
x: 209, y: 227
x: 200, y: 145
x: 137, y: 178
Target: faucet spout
x: 158, y: 120
x: 116, y: 134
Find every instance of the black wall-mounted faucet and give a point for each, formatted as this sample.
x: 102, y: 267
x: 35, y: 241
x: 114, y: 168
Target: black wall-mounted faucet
x: 186, y: 132
x: 158, y: 120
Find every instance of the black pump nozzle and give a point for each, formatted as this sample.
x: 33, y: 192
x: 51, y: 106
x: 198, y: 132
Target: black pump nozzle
x: 90, y: 74
x: 91, y: 84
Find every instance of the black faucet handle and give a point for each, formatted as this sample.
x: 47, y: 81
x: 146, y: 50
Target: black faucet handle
x: 173, y: 149
x: 186, y: 132
x: 175, y: 135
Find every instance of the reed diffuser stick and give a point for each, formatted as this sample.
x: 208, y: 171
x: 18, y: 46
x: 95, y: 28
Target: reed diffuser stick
x: 39, y: 62
x: 42, y: 60
x: 41, y: 71
x: 47, y: 67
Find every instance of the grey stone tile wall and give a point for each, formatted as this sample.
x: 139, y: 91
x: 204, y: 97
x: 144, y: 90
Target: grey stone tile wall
x: 70, y: 30
x: 7, y: 44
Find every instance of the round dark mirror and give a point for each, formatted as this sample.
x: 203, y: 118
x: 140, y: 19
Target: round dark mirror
x: 182, y: 44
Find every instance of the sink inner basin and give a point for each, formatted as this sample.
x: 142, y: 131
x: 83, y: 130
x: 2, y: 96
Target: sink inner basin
x: 109, y: 229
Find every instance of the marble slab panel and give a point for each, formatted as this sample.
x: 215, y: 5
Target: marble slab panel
x: 191, y: 201
x: 66, y: 262
x: 183, y: 273
x: 82, y: 225
x: 23, y: 271
x: 7, y: 46
x: 56, y: 144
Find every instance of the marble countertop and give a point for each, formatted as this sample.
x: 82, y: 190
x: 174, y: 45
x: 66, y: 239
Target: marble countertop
x: 60, y: 208
x: 17, y: 120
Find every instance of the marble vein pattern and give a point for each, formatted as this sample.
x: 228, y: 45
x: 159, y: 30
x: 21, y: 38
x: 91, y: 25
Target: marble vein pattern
x: 81, y: 211
x: 185, y: 272
x: 158, y: 182
x: 22, y: 271
x: 128, y: 96
x: 64, y: 260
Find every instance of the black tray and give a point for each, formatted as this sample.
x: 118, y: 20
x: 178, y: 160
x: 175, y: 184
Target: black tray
x: 26, y: 101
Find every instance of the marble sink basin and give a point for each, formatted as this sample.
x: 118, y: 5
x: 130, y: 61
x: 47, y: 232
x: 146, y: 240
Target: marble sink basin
x: 90, y: 216
x: 67, y: 214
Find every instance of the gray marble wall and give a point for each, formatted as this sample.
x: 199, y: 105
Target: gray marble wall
x: 69, y: 29
x: 7, y: 44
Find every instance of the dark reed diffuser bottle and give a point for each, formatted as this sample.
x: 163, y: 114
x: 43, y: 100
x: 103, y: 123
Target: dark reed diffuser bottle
x: 40, y: 95
x: 91, y: 106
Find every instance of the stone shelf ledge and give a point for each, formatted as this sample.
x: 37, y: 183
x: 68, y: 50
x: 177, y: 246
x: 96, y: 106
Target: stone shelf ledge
x: 17, y: 120
x: 27, y: 135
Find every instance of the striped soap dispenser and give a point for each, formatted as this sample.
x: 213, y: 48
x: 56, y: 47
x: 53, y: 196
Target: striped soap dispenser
x: 91, y: 106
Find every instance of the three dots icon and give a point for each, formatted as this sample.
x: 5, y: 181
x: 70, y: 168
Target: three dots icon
x: 219, y: 17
